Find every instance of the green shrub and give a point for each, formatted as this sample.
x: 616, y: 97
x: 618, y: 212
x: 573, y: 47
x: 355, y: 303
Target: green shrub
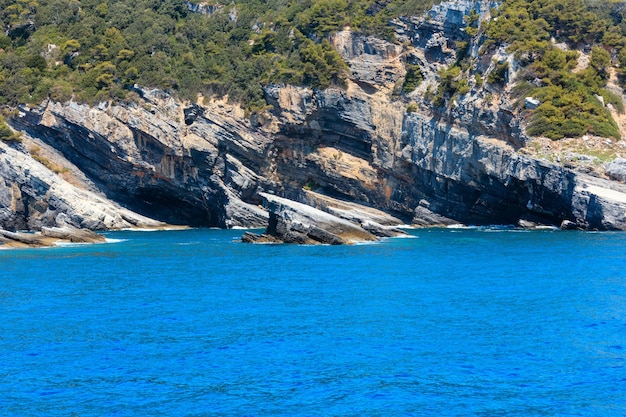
x: 569, y: 105
x: 311, y: 185
x: 498, y: 74
x: 6, y: 134
x: 478, y: 79
x: 451, y: 82
x: 613, y: 99
x: 463, y: 87
x: 412, y: 79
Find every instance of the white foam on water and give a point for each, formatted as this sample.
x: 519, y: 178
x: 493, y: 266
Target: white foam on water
x: 109, y: 240
x: 459, y: 226
x: 404, y: 237
x: 366, y: 242
x: 72, y: 244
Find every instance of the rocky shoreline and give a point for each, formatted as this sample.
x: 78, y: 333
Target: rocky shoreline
x: 48, y: 236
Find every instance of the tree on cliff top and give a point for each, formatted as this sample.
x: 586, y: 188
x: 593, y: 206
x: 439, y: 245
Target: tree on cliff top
x: 535, y: 31
x: 94, y: 50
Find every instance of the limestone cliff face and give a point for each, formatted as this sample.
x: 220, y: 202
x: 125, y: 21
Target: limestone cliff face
x: 480, y: 180
x: 208, y: 164
x: 148, y: 159
x: 32, y: 196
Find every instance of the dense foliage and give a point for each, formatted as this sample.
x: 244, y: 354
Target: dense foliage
x: 571, y: 96
x: 93, y: 50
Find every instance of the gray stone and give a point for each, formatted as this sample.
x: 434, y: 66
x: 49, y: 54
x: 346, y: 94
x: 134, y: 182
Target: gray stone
x: 293, y: 222
x: 531, y: 103
x: 616, y: 170
x: 202, y: 8
x: 73, y: 234
x: 24, y: 238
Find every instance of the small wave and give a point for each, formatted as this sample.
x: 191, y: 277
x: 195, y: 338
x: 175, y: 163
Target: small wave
x: 188, y: 243
x: 459, y: 226
x: 513, y: 229
x: 547, y: 228
x: 366, y: 242
x: 485, y: 228
x: 107, y: 240
x: 405, y: 237
x: 110, y: 240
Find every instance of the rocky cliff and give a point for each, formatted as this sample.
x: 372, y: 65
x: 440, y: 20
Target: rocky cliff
x: 208, y: 163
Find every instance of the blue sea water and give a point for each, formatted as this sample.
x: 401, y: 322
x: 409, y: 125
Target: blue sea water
x: 195, y: 323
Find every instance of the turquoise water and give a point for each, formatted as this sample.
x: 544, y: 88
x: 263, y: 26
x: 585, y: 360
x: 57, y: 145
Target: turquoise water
x: 194, y: 323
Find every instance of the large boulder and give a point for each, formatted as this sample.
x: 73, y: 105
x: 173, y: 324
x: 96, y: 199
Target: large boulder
x: 293, y: 222
x: 66, y: 232
x: 616, y: 170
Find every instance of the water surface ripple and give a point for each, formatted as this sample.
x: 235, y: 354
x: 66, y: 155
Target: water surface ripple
x: 194, y: 323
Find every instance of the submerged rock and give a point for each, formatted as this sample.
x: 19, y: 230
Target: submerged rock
x: 249, y: 237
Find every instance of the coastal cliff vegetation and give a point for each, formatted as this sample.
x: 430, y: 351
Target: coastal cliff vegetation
x: 94, y: 51
x: 6, y: 134
x: 547, y: 39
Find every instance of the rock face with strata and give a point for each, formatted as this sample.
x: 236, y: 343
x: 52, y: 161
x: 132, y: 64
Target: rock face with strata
x: 356, y: 148
x: 32, y: 196
x: 293, y: 222
x: 155, y: 160
x: 323, y: 220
